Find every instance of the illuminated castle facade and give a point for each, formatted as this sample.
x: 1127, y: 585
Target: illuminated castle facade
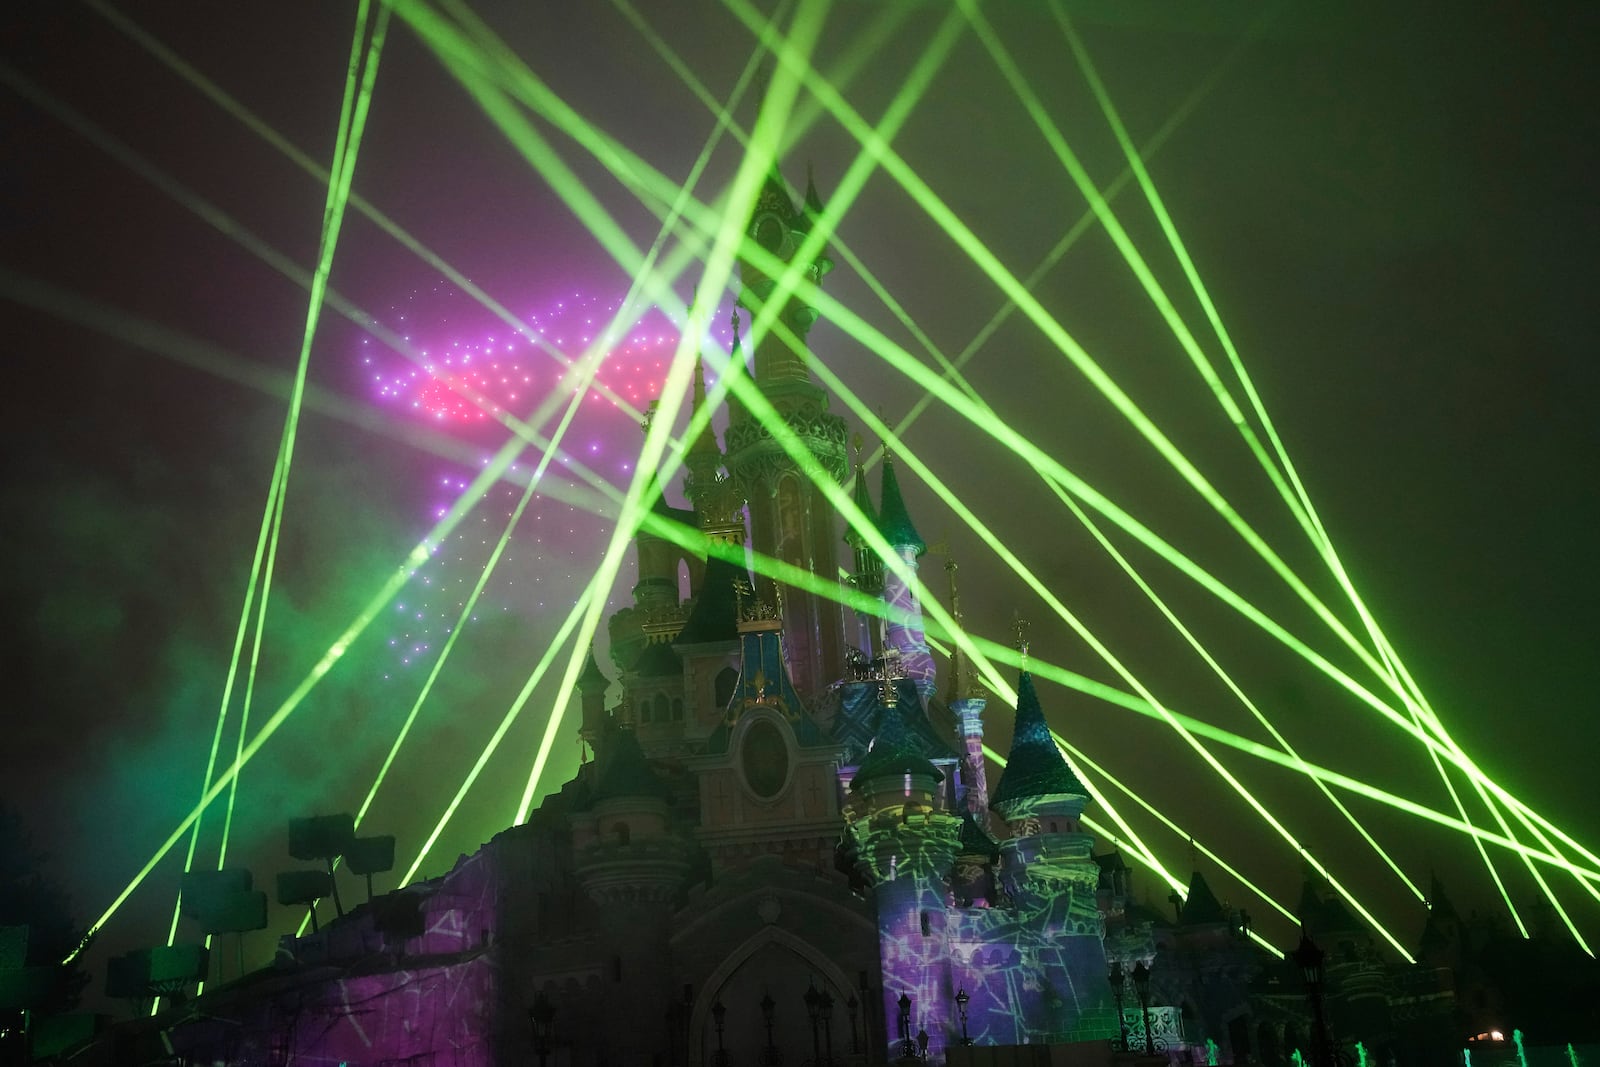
x: 784, y: 848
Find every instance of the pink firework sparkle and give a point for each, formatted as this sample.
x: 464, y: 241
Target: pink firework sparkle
x: 471, y: 374
x: 475, y: 378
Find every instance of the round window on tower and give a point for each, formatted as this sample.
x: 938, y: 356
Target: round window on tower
x: 764, y: 757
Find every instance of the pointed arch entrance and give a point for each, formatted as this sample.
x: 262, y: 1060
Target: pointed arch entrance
x: 771, y: 962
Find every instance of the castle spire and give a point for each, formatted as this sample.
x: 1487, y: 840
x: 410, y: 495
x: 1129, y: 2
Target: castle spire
x: 592, y: 686
x: 904, y: 632
x: 1036, y: 776
x: 894, y: 521
x: 963, y: 685
x: 965, y: 698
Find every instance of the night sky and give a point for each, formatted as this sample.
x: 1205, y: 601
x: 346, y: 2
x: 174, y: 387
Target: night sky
x: 1393, y: 212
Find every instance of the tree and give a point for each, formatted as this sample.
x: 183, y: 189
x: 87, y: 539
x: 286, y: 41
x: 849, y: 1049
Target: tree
x: 29, y: 898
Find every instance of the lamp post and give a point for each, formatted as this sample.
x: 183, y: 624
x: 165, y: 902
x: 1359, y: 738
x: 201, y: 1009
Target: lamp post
x: 961, y: 1009
x: 770, y: 1055
x: 1118, y: 982
x: 541, y: 1016
x: 1141, y: 986
x: 908, y: 1047
x: 854, y: 1006
x: 719, y: 1016
x: 814, y: 1014
x: 1308, y: 956
x: 826, y: 1000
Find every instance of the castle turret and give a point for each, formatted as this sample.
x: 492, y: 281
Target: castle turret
x: 1050, y: 875
x: 903, y: 630
x: 868, y: 574
x: 966, y: 700
x: 633, y: 867
x: 592, y: 686
x: 905, y: 843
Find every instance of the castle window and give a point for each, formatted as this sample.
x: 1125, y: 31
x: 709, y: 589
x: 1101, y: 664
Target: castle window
x: 926, y: 930
x: 661, y: 708
x: 765, y: 759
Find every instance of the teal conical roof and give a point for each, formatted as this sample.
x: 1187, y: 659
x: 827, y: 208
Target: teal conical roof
x: 894, y: 752
x: 894, y: 522
x: 1201, y: 905
x: 975, y: 840
x: 862, y: 498
x: 715, y: 616
x: 1035, y: 768
x: 624, y: 770
x: 593, y: 677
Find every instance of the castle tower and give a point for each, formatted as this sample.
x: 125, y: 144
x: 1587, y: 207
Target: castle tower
x: 718, y: 507
x: 965, y: 698
x: 592, y: 686
x: 903, y: 632
x: 905, y: 844
x: 790, y: 518
x: 633, y: 867
x: 1049, y: 873
x: 868, y: 574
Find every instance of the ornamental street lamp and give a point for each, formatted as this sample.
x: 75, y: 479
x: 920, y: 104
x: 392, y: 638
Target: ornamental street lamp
x: 1309, y: 957
x: 814, y: 1014
x: 770, y: 1055
x: 1118, y: 982
x: 854, y: 1006
x: 826, y: 1000
x: 719, y: 1015
x: 1141, y: 986
x: 541, y: 1016
x: 908, y: 1047
x: 961, y: 1008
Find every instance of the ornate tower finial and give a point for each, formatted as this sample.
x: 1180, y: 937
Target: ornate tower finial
x: 962, y: 684
x: 649, y: 415
x: 1021, y: 626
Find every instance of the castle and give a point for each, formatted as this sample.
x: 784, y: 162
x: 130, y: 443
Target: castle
x: 785, y: 847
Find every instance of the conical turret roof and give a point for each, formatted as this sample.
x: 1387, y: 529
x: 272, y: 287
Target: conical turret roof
x: 592, y: 678
x: 975, y: 840
x: 716, y: 610
x: 1035, y: 768
x: 861, y: 496
x: 894, y: 751
x: 1201, y: 905
x: 624, y: 770
x: 894, y: 522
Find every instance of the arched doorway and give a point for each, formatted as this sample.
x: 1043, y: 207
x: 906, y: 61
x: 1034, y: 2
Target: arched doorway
x: 778, y: 968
